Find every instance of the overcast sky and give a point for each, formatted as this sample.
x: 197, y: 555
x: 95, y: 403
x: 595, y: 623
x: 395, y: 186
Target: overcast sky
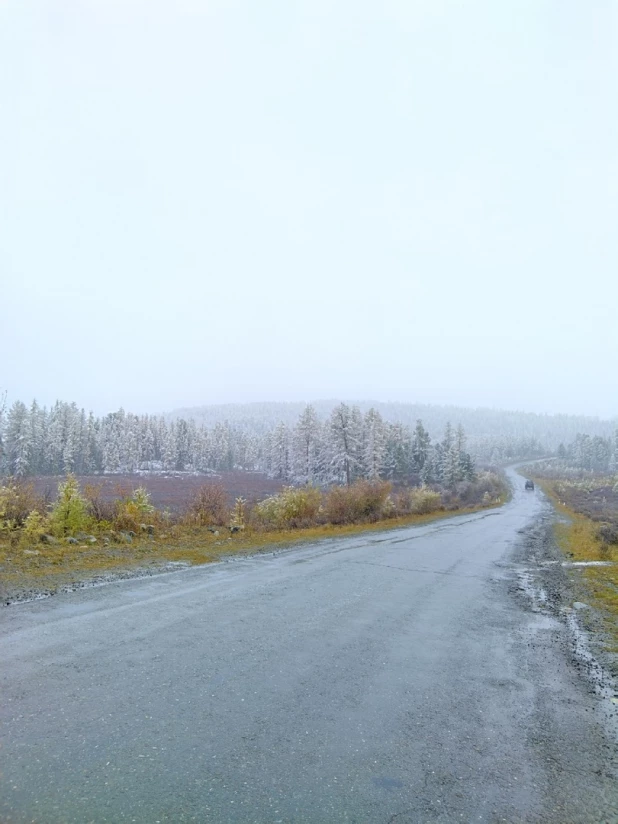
x: 205, y: 201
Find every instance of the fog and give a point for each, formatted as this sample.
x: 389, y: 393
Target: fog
x: 211, y: 202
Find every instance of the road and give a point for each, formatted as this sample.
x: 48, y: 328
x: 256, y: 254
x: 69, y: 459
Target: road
x: 391, y: 677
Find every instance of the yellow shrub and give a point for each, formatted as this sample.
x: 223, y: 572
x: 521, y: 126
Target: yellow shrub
x: 290, y: 509
x: 361, y: 502
x: 424, y: 500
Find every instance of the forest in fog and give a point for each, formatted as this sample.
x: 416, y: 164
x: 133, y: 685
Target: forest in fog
x: 324, y: 442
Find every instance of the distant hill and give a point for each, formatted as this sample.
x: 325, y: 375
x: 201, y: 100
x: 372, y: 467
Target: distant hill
x: 549, y: 430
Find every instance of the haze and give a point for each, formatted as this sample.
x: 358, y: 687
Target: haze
x: 206, y: 202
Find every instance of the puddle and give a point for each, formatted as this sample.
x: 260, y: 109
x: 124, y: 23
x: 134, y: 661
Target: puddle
x: 537, y: 595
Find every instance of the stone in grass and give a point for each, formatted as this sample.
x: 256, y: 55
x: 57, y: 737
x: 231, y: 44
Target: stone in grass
x: 48, y: 539
x: 72, y: 541
x: 32, y: 552
x: 90, y: 539
x: 126, y: 537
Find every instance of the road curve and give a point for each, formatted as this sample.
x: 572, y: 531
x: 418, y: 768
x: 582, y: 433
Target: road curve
x: 390, y: 677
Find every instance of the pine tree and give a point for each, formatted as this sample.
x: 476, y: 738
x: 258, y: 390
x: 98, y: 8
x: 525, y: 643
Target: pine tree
x: 3, y: 467
x: 280, y: 456
x: 344, y: 437
x: 465, y: 464
x: 36, y: 462
x: 374, y: 458
x: 306, y: 447
x: 18, y: 440
x: 399, y: 461
x: 92, y: 457
x: 449, y: 457
x: 183, y: 445
x: 421, y: 443
x: 613, y: 463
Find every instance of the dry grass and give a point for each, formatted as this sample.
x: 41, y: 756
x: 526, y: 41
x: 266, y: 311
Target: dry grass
x: 578, y: 539
x: 48, y: 568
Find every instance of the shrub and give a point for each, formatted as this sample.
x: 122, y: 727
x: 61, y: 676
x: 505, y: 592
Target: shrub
x: 608, y: 533
x: 486, y: 488
x: 402, y: 502
x: 34, y: 526
x: 238, y: 514
x: 132, y: 512
x: 17, y: 501
x: 290, y: 509
x: 7, y: 497
x: 424, y: 500
x: 70, y: 512
x: 363, y: 501
x: 100, y: 509
x: 209, y: 506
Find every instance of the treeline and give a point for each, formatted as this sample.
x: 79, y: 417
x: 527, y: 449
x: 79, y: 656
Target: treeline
x: 591, y: 454
x: 349, y: 446
x: 484, y: 427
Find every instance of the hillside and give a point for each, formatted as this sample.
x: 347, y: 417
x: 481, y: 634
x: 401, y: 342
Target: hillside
x: 480, y: 423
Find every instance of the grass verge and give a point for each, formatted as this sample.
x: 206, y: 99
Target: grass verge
x: 578, y: 539
x: 25, y: 571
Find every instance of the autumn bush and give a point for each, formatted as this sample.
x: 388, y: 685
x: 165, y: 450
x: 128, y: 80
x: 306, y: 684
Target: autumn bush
x: 132, y: 512
x: 69, y: 514
x: 17, y: 501
x: 292, y: 508
x: 488, y: 487
x: 34, y: 527
x: 608, y: 533
x: 25, y: 518
x: 362, y: 502
x: 209, y: 506
x: 100, y: 508
x: 424, y: 500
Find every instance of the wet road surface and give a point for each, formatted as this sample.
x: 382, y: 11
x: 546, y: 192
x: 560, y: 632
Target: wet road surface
x: 392, y: 677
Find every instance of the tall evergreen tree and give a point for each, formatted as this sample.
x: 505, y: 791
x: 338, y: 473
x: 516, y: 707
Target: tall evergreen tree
x: 374, y: 458
x: 18, y: 442
x: 344, y: 438
x: 421, y: 443
x: 306, y: 447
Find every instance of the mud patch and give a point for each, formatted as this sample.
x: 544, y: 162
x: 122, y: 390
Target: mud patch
x: 550, y: 586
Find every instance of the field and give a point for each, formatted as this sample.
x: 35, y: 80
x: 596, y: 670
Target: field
x: 597, y: 500
x: 171, y: 491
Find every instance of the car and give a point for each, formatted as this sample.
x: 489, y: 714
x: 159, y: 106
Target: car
x: 530, y: 484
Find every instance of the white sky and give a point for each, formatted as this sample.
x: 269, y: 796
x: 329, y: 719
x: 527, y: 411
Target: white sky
x: 232, y: 200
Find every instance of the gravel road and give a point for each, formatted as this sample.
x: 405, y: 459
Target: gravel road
x: 418, y: 675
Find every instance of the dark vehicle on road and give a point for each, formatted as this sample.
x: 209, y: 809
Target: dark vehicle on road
x: 530, y: 484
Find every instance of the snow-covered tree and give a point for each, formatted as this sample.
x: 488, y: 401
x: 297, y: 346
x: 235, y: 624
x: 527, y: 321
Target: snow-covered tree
x: 306, y: 447
x: 344, y: 434
x: 374, y: 458
x: 399, y: 461
x: 280, y: 452
x: 17, y: 440
x: 421, y: 443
